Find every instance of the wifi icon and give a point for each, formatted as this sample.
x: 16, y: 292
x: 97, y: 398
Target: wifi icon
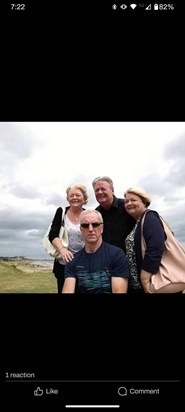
x: 133, y: 6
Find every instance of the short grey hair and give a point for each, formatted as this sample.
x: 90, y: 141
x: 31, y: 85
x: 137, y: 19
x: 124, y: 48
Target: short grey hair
x: 85, y: 212
x: 103, y: 179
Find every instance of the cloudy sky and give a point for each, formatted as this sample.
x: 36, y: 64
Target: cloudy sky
x: 39, y: 160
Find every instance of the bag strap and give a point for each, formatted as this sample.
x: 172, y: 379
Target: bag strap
x: 63, y: 214
x: 143, y: 243
x: 164, y: 221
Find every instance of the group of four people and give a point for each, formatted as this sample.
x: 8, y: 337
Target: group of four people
x: 104, y: 252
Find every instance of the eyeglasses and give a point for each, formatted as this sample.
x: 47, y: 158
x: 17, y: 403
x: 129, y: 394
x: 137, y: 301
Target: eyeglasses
x: 94, y: 224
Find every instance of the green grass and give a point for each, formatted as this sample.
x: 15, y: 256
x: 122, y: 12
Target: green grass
x: 15, y: 280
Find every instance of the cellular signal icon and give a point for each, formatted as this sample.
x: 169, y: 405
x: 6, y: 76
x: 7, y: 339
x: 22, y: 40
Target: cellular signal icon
x: 133, y: 6
x: 149, y: 7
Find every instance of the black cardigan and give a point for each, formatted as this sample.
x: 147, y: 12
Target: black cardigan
x: 58, y: 269
x: 155, y: 237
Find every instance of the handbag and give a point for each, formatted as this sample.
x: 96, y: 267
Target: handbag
x: 63, y: 235
x: 172, y: 266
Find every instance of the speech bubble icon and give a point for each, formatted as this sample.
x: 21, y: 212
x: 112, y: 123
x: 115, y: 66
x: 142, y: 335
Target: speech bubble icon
x: 122, y: 391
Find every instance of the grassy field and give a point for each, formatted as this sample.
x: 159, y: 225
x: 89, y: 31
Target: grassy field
x: 26, y: 276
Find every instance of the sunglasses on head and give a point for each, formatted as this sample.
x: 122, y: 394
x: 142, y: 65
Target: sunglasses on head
x: 94, y: 224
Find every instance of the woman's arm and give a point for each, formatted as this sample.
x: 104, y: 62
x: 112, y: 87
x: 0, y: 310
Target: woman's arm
x: 145, y: 278
x: 154, y: 237
x: 65, y: 254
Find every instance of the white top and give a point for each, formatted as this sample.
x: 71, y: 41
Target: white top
x: 74, y: 235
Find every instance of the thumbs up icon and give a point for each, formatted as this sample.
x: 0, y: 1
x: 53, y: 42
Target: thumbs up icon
x: 38, y: 392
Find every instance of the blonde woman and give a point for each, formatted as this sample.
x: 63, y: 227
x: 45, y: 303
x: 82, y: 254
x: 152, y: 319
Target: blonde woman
x: 137, y: 201
x: 77, y: 197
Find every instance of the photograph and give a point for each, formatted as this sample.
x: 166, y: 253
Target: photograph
x: 50, y: 168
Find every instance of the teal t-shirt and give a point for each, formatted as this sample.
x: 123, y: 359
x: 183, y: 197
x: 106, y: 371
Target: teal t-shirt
x: 93, y: 271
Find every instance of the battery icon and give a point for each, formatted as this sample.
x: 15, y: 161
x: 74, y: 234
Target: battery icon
x: 156, y: 6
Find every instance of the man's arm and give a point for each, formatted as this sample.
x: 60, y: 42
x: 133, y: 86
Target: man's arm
x: 119, y: 285
x: 69, y: 285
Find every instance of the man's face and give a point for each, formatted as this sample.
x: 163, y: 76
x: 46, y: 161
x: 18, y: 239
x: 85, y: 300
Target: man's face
x: 103, y: 193
x: 91, y: 234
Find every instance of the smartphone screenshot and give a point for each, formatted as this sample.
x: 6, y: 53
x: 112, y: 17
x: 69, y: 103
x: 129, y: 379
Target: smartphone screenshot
x: 89, y: 89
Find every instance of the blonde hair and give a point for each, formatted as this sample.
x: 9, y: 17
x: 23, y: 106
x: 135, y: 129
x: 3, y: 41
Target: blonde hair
x: 139, y: 191
x: 82, y: 189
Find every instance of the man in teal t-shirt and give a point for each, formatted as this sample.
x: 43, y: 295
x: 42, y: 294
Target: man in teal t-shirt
x: 98, y: 267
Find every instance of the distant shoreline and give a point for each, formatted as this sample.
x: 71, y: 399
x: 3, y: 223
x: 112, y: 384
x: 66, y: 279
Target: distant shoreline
x: 11, y: 258
x: 35, y: 263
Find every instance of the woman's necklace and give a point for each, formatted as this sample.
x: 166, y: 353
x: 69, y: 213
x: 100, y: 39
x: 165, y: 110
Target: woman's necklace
x: 74, y: 217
